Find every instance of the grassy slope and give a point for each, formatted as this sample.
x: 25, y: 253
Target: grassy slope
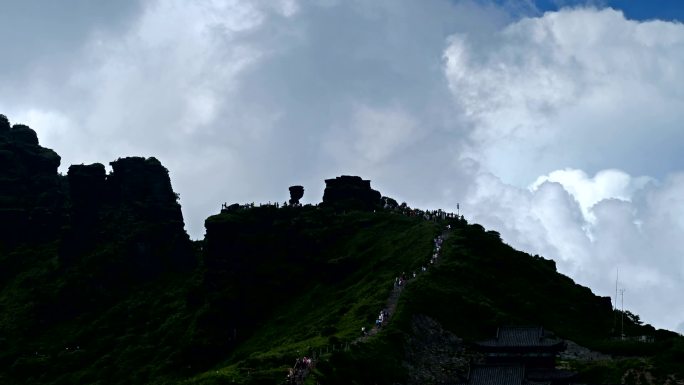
x: 482, y: 283
x: 331, y: 311
x: 66, y: 325
x: 312, y: 279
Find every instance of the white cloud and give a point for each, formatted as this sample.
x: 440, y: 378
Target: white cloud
x: 380, y: 133
x: 587, y: 191
x: 580, y: 87
x: 555, y: 97
x: 256, y: 92
x: 541, y: 127
x: 638, y: 233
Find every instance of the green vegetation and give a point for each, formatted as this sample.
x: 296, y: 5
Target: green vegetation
x: 273, y: 284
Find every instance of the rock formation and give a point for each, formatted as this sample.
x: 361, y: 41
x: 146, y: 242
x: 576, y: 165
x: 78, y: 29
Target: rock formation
x: 433, y: 355
x: 296, y: 193
x: 350, y: 193
x: 4, y: 124
x: 135, y: 202
x: 389, y: 203
x: 31, y: 192
x: 133, y: 209
x: 143, y: 185
x: 88, y: 192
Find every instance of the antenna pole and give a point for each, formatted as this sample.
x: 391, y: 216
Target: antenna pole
x: 622, y: 295
x: 617, y: 275
x: 615, y: 308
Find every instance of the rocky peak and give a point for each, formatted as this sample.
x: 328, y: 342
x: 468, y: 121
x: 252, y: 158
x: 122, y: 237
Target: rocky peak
x: 143, y: 180
x: 31, y: 191
x: 21, y: 155
x: 350, y: 192
x: 23, y: 134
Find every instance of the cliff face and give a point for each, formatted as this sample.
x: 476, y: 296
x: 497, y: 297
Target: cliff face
x: 75, y: 251
x: 133, y: 209
x: 144, y: 185
x: 32, y: 197
x: 350, y: 193
x: 87, y: 192
x: 137, y: 185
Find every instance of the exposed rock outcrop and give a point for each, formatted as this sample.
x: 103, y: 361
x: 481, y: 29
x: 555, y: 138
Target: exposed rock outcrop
x: 31, y: 192
x: 389, y: 203
x: 296, y: 193
x: 350, y: 193
x: 88, y: 192
x: 137, y: 185
x: 434, y: 355
x: 133, y: 210
x: 20, y: 133
x: 4, y: 124
x: 134, y: 203
x: 143, y: 185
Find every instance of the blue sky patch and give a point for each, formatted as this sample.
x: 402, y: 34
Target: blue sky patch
x: 669, y: 10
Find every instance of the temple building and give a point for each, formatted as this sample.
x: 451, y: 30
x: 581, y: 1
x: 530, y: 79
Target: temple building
x: 519, y: 356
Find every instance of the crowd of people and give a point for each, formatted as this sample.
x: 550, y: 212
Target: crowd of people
x: 298, y: 373
x: 382, y: 318
x: 401, y: 280
x: 429, y: 215
x: 437, y: 248
x: 300, y: 370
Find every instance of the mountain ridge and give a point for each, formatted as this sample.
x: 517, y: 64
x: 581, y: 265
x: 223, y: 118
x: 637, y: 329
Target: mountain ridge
x: 101, y: 284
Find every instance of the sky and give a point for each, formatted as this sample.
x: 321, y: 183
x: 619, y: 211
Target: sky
x: 555, y: 123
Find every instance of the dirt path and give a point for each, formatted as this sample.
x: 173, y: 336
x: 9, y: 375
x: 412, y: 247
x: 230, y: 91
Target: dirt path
x: 391, y: 306
x: 393, y: 299
x: 298, y: 374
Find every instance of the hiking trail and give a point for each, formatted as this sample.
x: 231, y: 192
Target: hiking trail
x: 299, y: 373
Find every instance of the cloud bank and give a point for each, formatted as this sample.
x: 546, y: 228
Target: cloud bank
x: 558, y: 130
x: 552, y: 98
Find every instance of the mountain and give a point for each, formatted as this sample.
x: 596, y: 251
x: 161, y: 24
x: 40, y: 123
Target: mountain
x: 100, y: 284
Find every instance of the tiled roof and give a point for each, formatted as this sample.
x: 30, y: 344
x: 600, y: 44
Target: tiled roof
x: 496, y: 375
x: 520, y: 336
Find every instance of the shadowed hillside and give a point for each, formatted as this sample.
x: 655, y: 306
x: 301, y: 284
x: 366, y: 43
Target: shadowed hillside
x: 100, y: 284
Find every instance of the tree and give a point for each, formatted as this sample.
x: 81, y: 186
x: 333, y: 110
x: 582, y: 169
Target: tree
x: 634, y: 318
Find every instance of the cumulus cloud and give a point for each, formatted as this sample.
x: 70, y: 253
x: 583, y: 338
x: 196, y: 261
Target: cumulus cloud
x: 581, y: 87
x: 638, y: 233
x: 247, y: 98
x: 555, y: 98
x: 606, y: 184
x: 558, y: 130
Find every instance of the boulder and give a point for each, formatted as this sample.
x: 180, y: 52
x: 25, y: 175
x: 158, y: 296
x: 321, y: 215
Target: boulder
x: 350, y: 193
x: 21, y: 154
x: 20, y: 133
x: 144, y: 182
x: 296, y: 193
